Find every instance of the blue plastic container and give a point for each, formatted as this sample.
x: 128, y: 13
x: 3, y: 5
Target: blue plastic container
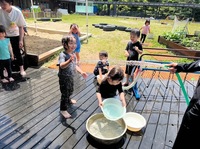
x: 113, y: 109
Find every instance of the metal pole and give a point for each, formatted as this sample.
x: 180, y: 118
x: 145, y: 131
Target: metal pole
x: 87, y: 18
x: 34, y: 16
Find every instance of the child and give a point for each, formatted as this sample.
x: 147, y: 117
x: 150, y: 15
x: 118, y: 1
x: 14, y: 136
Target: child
x: 67, y: 70
x: 6, y: 54
x: 110, y: 85
x: 74, y: 30
x: 102, y: 66
x: 132, y: 51
x: 13, y: 20
x: 145, y: 30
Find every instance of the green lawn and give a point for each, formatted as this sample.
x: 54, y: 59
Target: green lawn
x: 115, y: 42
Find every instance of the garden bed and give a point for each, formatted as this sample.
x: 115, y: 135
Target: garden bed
x: 40, y: 49
x: 45, y: 43
x: 181, y: 49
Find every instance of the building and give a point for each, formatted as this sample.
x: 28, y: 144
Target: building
x: 44, y: 4
x: 76, y: 6
x: 73, y: 6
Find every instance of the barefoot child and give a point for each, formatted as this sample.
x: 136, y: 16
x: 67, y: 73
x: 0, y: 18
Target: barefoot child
x: 67, y: 70
x: 110, y: 85
x: 132, y: 51
x: 6, y: 55
x: 74, y: 30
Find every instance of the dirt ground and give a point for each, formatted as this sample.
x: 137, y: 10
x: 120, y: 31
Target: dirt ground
x: 38, y: 45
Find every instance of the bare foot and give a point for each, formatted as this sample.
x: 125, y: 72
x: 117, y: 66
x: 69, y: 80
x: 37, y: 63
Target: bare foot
x: 4, y: 81
x: 11, y: 79
x: 73, y: 101
x: 23, y: 73
x: 65, y: 114
x: 5, y: 73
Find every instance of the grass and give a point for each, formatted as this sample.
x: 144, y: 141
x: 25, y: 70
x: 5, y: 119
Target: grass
x: 115, y: 42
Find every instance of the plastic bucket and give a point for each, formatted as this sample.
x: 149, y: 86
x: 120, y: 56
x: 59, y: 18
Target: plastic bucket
x: 134, y: 121
x: 112, y: 109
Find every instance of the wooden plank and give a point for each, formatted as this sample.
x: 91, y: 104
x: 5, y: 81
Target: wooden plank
x: 79, y: 124
x: 29, y: 116
x: 148, y: 110
x: 160, y: 134
x: 37, y: 133
x: 29, y: 85
x: 27, y: 101
x: 83, y: 142
x: 59, y: 127
x: 75, y: 138
x: 3, y: 91
x: 30, y: 124
x: 25, y: 98
x: 132, y: 138
x: 7, y: 136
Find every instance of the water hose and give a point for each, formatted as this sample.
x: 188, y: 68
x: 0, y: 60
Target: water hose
x: 183, y: 88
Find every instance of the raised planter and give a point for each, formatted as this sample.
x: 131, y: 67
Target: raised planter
x: 183, y: 50
x: 35, y: 59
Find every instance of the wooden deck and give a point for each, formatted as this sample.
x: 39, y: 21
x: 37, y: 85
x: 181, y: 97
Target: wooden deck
x: 29, y: 115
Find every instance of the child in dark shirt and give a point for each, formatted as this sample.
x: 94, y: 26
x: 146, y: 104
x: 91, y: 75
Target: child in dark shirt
x: 110, y: 85
x: 67, y: 70
x: 102, y: 66
x: 132, y: 51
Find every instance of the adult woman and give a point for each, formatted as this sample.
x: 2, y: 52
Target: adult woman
x: 13, y: 20
x: 187, y: 137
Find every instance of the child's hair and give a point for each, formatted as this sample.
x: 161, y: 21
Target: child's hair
x: 147, y: 21
x: 7, y: 1
x: 103, y: 53
x: 65, y: 40
x: 135, y: 31
x: 116, y: 73
x: 73, y: 25
x: 2, y: 29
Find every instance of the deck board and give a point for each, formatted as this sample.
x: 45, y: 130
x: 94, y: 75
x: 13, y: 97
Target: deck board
x: 30, y: 118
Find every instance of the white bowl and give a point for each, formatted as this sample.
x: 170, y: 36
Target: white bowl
x: 134, y: 121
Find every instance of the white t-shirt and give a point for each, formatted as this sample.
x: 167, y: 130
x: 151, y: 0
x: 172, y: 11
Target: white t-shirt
x: 12, y: 21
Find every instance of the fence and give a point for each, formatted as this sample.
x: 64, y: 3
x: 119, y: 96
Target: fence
x: 51, y: 14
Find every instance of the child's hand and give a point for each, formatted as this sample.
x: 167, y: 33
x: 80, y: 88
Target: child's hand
x: 72, y: 57
x: 84, y: 74
x: 126, y: 54
x: 136, y: 48
x: 123, y: 103
x: 12, y: 58
x: 100, y: 104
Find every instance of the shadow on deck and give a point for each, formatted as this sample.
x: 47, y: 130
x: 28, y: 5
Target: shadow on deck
x: 29, y: 115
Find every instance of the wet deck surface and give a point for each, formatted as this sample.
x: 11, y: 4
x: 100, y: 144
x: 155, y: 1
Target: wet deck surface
x: 29, y: 115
